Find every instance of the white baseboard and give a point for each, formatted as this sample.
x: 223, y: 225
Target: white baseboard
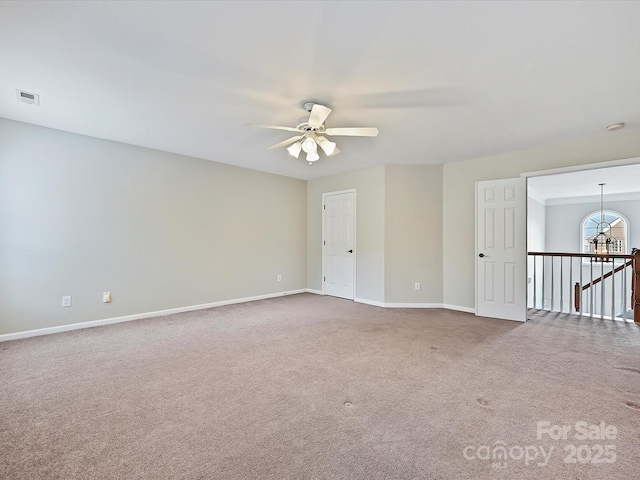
x: 415, y: 305
x: 369, y: 302
x: 138, y: 316
x: 376, y: 303
x: 458, y: 308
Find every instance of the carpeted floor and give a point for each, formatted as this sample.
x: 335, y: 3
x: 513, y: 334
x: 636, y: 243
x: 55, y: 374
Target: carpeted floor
x: 312, y: 387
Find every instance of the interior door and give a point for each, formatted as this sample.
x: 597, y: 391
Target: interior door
x: 501, y: 249
x: 339, y: 244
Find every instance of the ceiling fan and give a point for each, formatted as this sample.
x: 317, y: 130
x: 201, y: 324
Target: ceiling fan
x: 311, y: 134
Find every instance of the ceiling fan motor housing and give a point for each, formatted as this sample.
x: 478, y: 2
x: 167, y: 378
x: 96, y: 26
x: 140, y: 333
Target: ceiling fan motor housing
x: 308, y: 106
x: 305, y: 127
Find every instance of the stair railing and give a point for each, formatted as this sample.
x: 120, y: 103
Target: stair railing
x: 603, y: 280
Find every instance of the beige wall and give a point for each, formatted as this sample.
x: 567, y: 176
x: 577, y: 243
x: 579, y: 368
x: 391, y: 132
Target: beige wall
x: 370, y: 203
x: 459, y: 197
x: 413, y: 233
x: 80, y: 216
x: 398, y: 232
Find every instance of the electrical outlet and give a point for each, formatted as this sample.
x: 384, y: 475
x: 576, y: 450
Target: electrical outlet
x: 417, y: 286
x: 106, y: 297
x: 66, y: 301
x: 279, y: 278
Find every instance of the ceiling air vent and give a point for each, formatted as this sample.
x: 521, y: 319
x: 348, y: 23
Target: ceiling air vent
x: 26, y: 97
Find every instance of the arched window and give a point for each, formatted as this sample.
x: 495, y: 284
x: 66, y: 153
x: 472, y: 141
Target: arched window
x: 618, y: 231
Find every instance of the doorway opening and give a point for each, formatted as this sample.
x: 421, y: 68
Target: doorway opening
x: 563, y: 275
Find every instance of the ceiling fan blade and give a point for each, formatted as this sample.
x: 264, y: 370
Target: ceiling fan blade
x: 288, y: 141
x: 353, y: 131
x: 319, y: 114
x: 275, y: 127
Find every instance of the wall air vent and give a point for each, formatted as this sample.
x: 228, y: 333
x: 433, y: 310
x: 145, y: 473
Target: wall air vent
x: 26, y: 97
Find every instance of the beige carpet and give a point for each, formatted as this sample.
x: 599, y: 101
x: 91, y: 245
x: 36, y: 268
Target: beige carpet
x: 312, y: 387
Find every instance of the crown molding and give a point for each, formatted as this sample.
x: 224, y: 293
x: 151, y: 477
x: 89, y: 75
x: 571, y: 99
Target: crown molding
x: 614, y: 197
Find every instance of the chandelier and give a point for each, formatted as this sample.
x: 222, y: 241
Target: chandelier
x: 602, y: 241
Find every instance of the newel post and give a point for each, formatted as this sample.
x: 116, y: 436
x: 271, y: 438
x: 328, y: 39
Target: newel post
x: 635, y: 284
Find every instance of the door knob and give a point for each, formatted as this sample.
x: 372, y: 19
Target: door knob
x: 349, y: 251
x: 481, y: 255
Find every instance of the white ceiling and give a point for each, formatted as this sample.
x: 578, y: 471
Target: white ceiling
x: 622, y: 182
x: 443, y: 81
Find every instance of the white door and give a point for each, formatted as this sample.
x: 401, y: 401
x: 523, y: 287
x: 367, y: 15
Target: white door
x: 339, y: 244
x: 501, y: 253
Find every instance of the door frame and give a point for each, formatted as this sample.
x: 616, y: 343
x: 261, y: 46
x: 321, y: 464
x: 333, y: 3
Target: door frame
x: 355, y: 235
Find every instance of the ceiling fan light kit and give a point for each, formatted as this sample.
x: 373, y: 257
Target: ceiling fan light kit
x: 294, y: 150
x: 327, y: 146
x: 309, y: 145
x: 311, y: 134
